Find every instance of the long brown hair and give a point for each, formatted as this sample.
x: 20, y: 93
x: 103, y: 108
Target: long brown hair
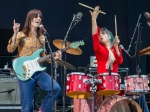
x: 32, y: 14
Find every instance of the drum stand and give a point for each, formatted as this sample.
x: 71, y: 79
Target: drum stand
x: 93, y: 88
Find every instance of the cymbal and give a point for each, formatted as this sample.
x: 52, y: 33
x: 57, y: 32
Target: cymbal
x: 145, y: 51
x: 58, y: 44
x: 63, y: 63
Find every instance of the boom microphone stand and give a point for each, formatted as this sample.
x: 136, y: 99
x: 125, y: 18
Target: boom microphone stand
x: 78, y: 17
x: 64, y: 43
x: 138, y: 46
x: 52, y: 58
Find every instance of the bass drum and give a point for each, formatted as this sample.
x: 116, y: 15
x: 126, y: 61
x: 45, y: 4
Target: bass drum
x: 119, y: 104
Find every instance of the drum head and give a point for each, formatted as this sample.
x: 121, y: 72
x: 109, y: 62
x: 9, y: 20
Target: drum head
x: 119, y: 104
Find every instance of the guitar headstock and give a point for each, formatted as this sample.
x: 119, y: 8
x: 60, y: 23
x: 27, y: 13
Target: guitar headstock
x: 74, y: 45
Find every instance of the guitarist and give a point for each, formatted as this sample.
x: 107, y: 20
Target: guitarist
x: 28, y: 41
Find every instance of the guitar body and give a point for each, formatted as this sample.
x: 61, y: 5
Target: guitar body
x: 26, y: 66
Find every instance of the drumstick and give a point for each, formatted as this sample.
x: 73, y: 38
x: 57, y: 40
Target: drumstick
x: 115, y: 25
x: 91, y: 8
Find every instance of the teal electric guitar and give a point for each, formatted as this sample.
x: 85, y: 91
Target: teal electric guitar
x: 26, y: 66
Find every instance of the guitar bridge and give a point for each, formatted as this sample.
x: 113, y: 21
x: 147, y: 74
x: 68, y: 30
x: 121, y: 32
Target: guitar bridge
x: 24, y: 68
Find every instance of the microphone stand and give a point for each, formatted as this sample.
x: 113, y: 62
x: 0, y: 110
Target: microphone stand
x: 138, y: 46
x: 64, y: 43
x: 134, y: 33
x: 52, y: 57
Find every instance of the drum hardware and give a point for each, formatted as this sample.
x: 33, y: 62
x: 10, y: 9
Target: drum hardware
x: 63, y: 63
x: 139, y: 83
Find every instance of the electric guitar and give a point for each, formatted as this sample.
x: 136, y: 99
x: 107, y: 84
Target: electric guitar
x: 26, y: 66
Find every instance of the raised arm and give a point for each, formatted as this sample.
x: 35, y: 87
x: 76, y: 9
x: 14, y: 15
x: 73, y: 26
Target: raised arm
x: 14, y: 40
x: 94, y: 16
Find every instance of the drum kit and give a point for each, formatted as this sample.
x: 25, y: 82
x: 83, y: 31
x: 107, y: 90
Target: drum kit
x: 103, y: 92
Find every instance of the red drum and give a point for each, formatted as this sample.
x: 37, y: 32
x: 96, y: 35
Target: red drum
x: 118, y: 104
x: 136, y: 85
x: 76, y: 86
x: 110, y: 84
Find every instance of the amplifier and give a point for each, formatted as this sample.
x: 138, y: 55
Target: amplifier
x: 93, y: 61
x: 9, y: 91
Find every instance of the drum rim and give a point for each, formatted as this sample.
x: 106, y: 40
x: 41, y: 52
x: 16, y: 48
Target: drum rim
x: 135, y: 76
x: 106, y: 73
x: 77, y: 73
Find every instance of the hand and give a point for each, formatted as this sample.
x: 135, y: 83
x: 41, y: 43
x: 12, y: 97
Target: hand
x: 58, y: 55
x: 16, y: 27
x: 95, y: 13
x: 116, y: 41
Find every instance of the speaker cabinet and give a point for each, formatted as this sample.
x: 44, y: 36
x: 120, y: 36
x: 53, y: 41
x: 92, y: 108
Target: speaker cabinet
x: 9, y: 91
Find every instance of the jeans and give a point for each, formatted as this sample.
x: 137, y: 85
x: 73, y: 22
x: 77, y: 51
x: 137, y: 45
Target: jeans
x: 143, y: 104
x: 43, y: 80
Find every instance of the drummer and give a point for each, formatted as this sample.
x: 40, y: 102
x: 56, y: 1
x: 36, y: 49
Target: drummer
x: 106, y: 49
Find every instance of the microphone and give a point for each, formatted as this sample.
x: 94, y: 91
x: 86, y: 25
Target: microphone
x: 42, y: 29
x: 147, y: 15
x: 78, y: 18
x: 121, y: 47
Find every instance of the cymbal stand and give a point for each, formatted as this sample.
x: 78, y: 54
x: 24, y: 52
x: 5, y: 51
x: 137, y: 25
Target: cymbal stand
x: 93, y: 89
x: 64, y: 43
x: 138, y: 46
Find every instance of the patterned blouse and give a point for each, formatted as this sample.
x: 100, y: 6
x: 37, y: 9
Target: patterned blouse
x: 27, y: 45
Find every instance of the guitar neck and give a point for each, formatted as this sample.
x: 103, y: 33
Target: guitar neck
x: 42, y: 59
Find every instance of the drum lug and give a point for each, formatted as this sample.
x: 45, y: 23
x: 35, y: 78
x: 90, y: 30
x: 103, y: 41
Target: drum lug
x: 116, y: 77
x: 68, y: 79
x: 107, y: 109
x: 116, y: 85
x: 104, y: 77
x: 67, y: 87
x: 79, y: 86
x: 120, y: 80
x: 128, y: 84
x: 104, y: 85
x: 80, y: 77
x: 110, y: 103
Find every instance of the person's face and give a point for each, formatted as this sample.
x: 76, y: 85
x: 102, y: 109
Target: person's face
x: 104, y: 38
x: 36, y: 21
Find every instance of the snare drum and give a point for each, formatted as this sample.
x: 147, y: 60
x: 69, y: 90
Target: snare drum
x: 136, y: 84
x: 76, y: 86
x: 119, y: 104
x: 110, y: 84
